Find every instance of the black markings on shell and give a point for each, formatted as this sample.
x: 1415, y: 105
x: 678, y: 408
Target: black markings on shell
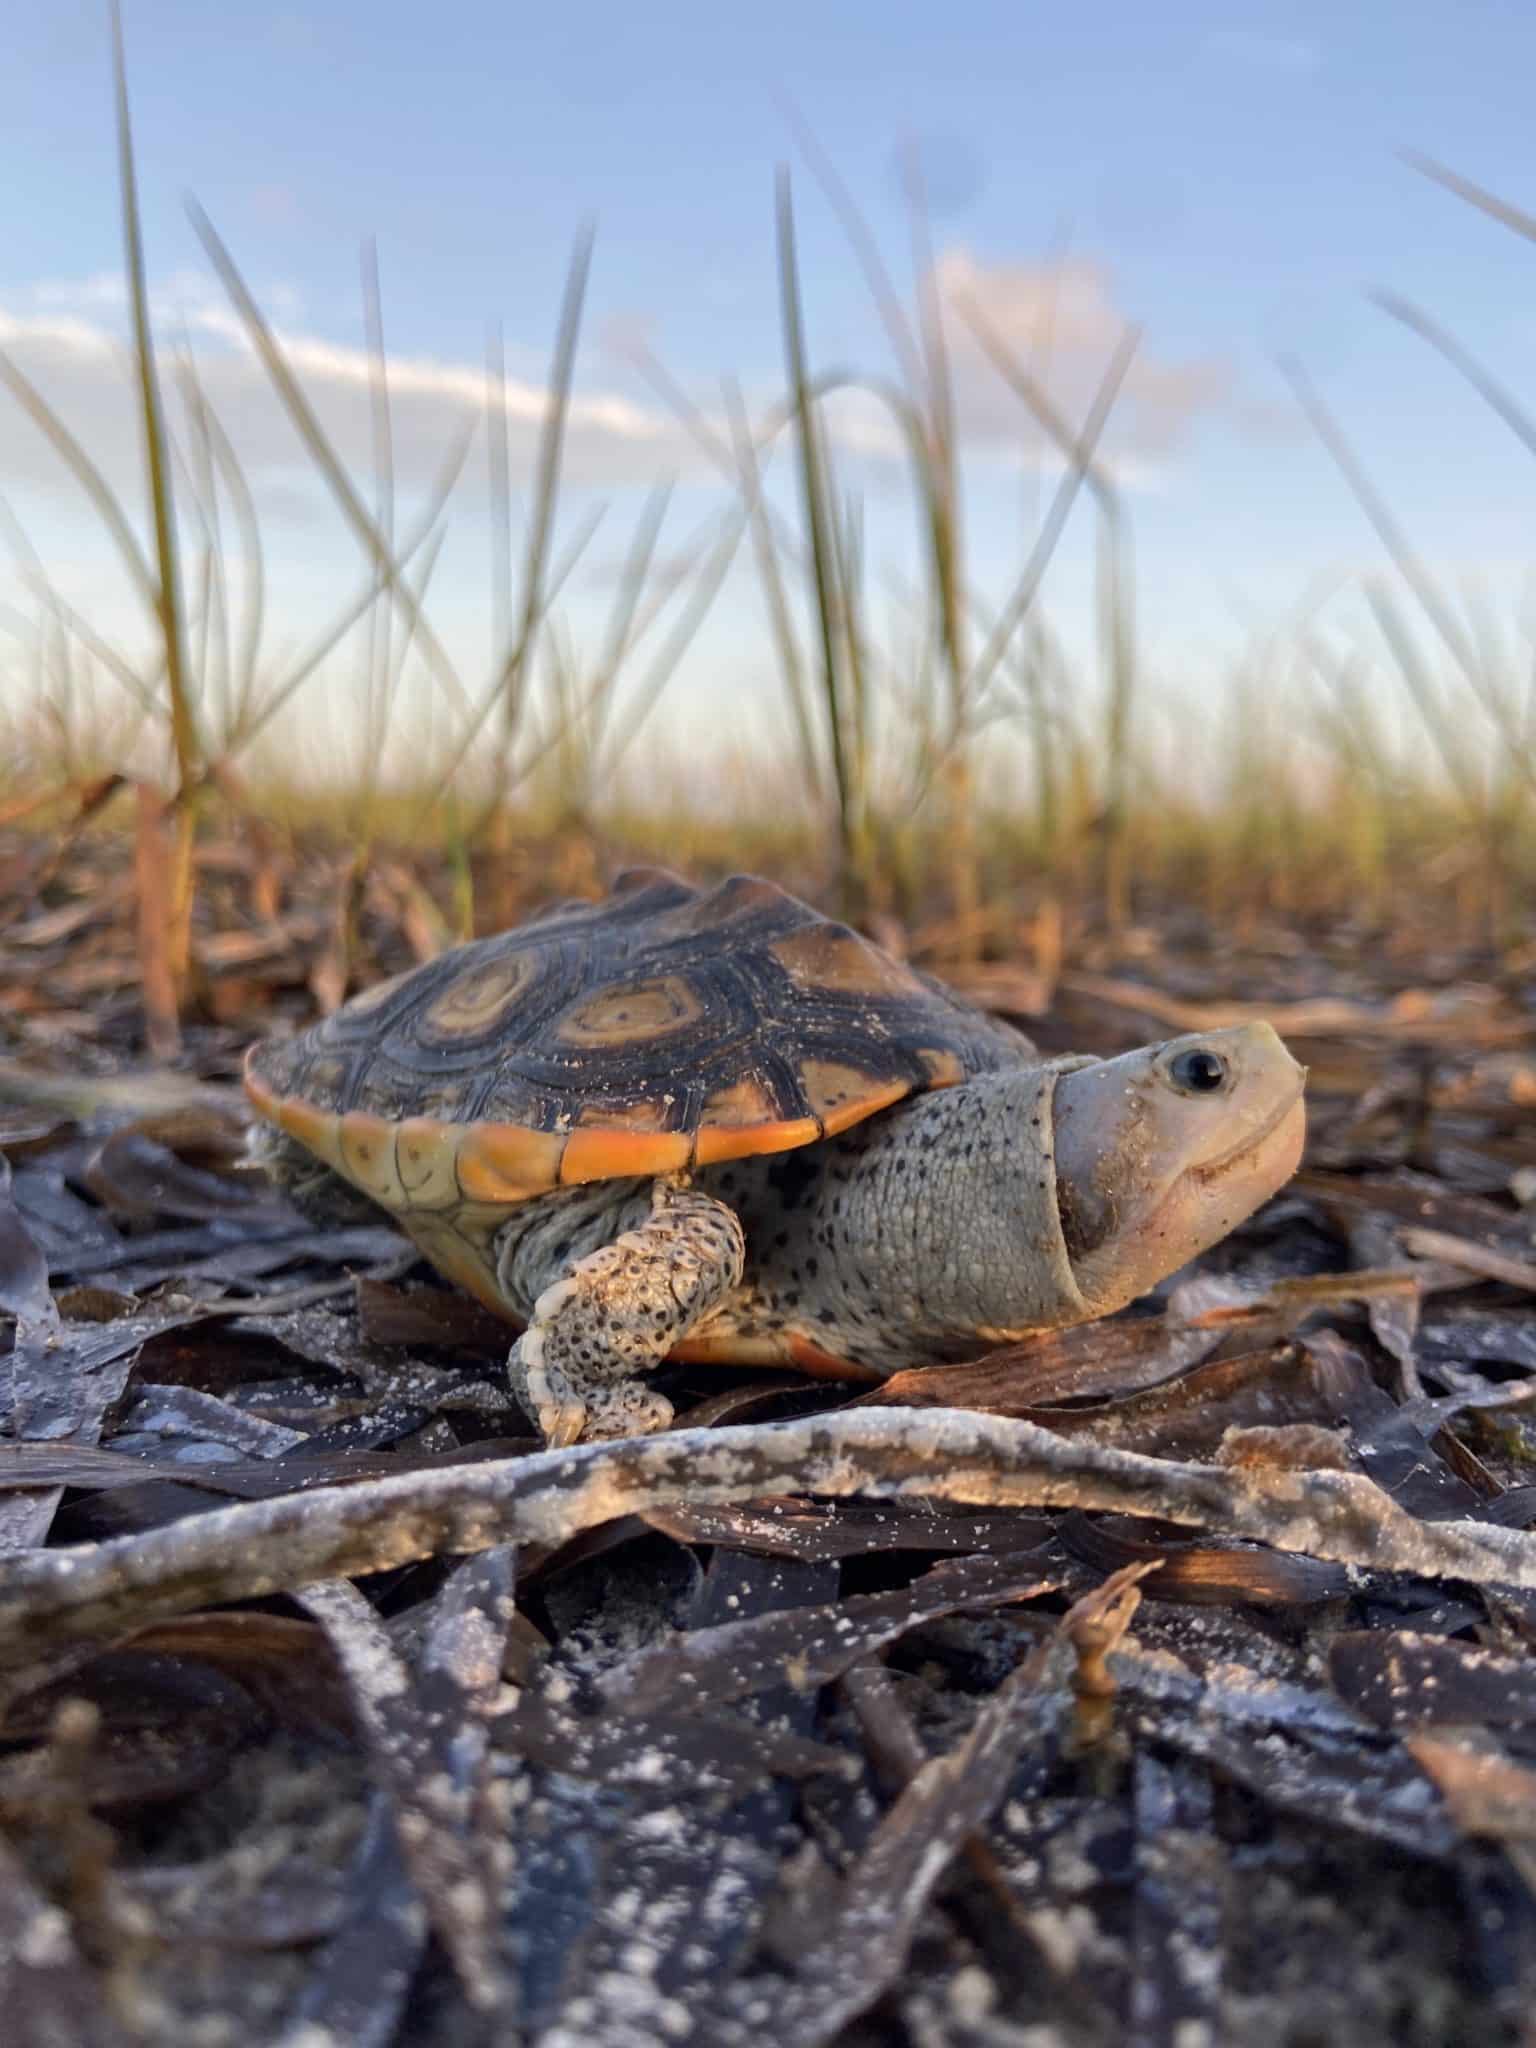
x: 637, y: 1010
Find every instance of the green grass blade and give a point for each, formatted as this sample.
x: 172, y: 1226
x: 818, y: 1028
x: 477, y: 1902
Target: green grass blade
x: 814, y: 500
x: 179, y: 686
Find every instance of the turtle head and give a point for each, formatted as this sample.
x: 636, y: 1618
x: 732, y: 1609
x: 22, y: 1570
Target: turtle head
x: 1163, y: 1151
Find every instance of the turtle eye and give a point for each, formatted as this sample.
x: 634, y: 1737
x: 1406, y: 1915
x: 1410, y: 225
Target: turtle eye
x: 1198, y: 1071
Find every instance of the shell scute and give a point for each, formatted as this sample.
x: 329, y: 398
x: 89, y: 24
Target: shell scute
x: 632, y: 1014
x: 834, y: 958
x: 506, y: 1164
x: 739, y: 1105
x: 426, y: 1157
x: 367, y: 1146
x: 618, y: 1154
x: 714, y: 1147
x: 476, y: 1001
x: 842, y: 1097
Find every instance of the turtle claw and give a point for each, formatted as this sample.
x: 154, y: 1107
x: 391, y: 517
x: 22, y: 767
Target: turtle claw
x: 560, y: 1412
x: 562, y: 1423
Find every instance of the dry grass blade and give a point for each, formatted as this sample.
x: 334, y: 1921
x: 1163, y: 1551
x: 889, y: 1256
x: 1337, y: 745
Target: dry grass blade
x: 848, y: 554
x: 939, y: 478
x: 1485, y: 1260
x: 244, y: 649
x: 541, y: 746
x: 154, y: 865
x: 1318, y: 1016
x: 1486, y: 202
x: 208, y: 609
x: 926, y: 415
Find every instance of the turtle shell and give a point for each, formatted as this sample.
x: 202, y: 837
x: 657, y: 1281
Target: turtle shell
x: 662, y: 1028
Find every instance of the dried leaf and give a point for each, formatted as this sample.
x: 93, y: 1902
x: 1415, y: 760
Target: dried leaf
x: 1401, y: 1680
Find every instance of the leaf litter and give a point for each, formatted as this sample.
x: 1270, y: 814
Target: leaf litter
x: 1167, y: 1680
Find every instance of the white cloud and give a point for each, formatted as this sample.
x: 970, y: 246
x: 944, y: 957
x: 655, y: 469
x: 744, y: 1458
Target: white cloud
x: 68, y: 338
x: 1062, y: 324
x: 105, y: 288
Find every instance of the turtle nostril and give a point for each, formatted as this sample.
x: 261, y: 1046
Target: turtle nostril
x: 1198, y: 1071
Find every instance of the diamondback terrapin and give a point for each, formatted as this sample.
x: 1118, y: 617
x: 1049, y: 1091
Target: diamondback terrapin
x: 718, y: 1126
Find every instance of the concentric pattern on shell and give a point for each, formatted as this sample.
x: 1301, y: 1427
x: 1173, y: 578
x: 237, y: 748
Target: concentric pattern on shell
x: 662, y: 1027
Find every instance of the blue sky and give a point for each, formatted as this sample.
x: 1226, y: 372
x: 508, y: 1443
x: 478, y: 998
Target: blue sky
x: 1227, y: 177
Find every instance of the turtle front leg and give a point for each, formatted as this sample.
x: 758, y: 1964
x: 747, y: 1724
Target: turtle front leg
x: 618, y: 1312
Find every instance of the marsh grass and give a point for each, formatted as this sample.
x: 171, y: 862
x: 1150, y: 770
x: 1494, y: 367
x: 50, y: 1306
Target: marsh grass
x: 943, y: 760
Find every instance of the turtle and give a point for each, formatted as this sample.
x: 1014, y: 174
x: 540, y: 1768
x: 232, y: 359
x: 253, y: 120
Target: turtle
x: 716, y: 1125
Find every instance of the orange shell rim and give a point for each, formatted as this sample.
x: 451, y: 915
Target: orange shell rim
x: 592, y: 1153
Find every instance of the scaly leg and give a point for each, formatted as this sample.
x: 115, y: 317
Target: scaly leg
x: 618, y: 1312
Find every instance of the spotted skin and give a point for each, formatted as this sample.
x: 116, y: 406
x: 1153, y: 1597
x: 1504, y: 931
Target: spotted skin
x: 615, y: 1312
